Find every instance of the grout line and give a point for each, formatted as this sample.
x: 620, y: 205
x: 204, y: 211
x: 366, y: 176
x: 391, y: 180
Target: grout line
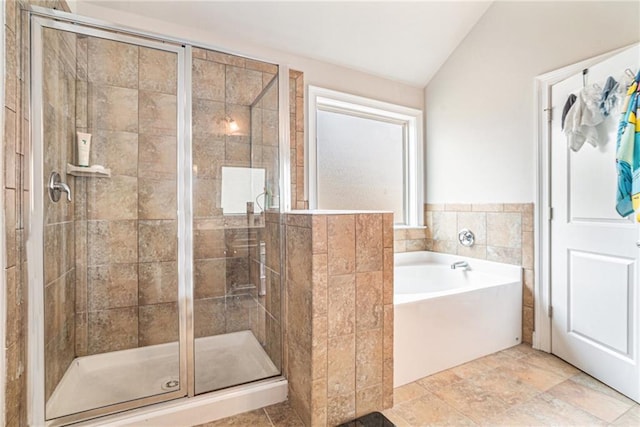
x: 268, y: 417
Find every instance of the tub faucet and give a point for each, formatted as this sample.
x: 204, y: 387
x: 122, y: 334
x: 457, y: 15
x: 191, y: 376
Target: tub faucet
x: 459, y: 264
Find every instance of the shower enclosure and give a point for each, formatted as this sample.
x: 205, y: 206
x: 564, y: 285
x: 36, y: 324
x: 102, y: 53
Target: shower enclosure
x: 155, y: 272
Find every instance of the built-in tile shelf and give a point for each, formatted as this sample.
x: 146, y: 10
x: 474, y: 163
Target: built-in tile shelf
x: 95, y: 171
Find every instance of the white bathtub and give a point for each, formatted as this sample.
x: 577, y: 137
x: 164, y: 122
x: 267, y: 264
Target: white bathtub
x: 445, y: 317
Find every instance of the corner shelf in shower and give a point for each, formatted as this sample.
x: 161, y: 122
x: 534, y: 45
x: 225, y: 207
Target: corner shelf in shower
x: 89, y: 172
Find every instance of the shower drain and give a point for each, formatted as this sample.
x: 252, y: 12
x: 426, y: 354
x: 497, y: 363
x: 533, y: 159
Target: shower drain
x: 170, y: 384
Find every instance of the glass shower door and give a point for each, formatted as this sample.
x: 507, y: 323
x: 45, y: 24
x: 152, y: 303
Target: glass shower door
x: 112, y: 304
x: 236, y: 245
x: 155, y: 271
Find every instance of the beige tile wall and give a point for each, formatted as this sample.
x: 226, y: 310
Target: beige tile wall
x: 227, y: 270
x: 339, y: 315
x: 268, y: 324
x: 264, y: 151
x: 59, y: 266
x: 131, y: 279
x: 15, y: 194
x: 15, y: 154
x: 226, y: 247
x: 296, y: 107
x: 411, y: 239
x: 126, y: 226
x: 504, y: 233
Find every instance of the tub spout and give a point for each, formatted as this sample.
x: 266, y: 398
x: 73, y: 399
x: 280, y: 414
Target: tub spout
x: 459, y: 264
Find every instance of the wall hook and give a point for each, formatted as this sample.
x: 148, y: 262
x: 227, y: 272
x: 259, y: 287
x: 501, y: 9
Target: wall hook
x: 630, y: 73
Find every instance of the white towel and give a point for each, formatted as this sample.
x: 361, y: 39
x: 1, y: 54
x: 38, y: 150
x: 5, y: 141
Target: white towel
x: 582, y: 119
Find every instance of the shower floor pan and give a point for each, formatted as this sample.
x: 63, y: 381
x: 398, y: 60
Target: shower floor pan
x: 105, y: 379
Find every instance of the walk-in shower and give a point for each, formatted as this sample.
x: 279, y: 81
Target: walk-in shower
x: 160, y: 277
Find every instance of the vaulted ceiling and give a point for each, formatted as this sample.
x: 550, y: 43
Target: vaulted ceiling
x: 398, y: 40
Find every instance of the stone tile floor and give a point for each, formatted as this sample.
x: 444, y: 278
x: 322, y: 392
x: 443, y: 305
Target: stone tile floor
x: 515, y: 387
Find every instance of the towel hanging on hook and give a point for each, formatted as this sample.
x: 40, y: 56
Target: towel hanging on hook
x: 609, y: 96
x: 627, y: 158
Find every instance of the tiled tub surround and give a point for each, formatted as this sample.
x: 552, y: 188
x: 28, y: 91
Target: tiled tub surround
x: 504, y: 233
x: 410, y: 239
x: 339, y: 314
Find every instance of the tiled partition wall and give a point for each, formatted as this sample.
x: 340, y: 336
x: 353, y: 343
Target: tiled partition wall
x: 339, y: 314
x: 504, y: 233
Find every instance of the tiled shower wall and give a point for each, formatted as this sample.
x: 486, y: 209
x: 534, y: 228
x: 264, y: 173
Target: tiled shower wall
x: 152, y: 274
x: 126, y: 246
x: 14, y: 197
x: 226, y: 272
x: 130, y: 290
x: 59, y: 85
x: 504, y: 233
x: 15, y: 148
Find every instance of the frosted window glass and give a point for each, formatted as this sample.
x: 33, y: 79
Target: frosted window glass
x: 360, y: 164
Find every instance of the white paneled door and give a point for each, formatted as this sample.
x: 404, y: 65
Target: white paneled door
x: 594, y: 251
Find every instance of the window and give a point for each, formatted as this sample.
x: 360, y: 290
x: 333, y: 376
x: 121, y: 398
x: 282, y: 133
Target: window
x: 365, y: 155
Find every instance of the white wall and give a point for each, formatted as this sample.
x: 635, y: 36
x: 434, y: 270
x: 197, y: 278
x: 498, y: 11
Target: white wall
x: 479, y: 106
x: 317, y: 73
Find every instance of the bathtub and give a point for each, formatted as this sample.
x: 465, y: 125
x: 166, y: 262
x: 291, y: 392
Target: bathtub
x: 445, y: 317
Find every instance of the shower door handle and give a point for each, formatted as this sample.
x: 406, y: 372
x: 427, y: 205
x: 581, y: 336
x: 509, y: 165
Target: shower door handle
x: 263, y: 268
x: 56, y: 186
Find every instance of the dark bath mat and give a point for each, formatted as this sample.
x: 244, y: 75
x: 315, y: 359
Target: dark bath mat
x: 374, y: 419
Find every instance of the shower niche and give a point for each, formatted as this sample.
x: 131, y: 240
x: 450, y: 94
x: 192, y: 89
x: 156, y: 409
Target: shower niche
x: 161, y: 281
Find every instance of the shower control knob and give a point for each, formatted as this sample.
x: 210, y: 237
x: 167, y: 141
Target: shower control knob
x: 466, y: 237
x: 56, y: 187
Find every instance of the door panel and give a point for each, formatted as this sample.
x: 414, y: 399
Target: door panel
x: 594, y: 257
x: 237, y: 275
x: 590, y: 197
x: 599, y: 290
x: 111, y: 324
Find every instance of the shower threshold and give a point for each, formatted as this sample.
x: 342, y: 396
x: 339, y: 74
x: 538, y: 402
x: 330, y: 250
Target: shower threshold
x: 105, y: 379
